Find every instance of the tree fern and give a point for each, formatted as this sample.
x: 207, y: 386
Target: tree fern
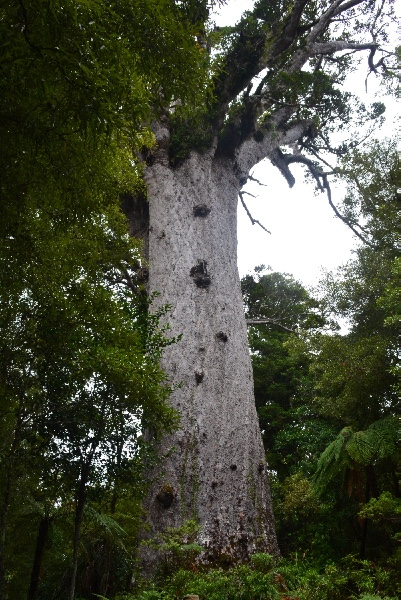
x: 111, y: 530
x: 356, y: 450
x: 383, y: 436
x: 360, y: 449
x: 333, y: 461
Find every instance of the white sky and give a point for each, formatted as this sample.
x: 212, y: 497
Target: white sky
x: 306, y: 237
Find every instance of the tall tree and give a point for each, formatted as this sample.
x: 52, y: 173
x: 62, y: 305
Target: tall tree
x: 277, y: 79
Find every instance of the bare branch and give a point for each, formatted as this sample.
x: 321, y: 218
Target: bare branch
x: 252, y: 178
x: 323, y: 184
x: 334, y: 9
x: 338, y: 46
x: 346, y: 6
x: 269, y: 322
x: 278, y: 159
x: 378, y: 13
x: 253, y: 221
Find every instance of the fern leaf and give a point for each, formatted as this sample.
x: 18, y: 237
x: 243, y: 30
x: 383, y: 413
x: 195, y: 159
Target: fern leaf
x: 359, y: 448
x: 333, y: 461
x: 383, y: 436
x: 109, y: 526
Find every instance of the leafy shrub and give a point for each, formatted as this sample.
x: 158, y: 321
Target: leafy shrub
x: 238, y: 583
x: 263, y: 579
x: 177, y: 549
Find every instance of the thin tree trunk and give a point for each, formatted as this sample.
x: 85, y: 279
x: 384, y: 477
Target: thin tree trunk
x: 214, y: 469
x: 79, y: 513
x: 10, y: 474
x: 3, y: 529
x: 43, y: 531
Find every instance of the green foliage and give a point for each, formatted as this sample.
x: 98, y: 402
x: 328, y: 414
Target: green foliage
x: 385, y: 508
x: 310, y: 385
x: 299, y: 497
x: 263, y: 579
x: 280, y: 375
x: 78, y: 84
x: 355, y: 450
x: 177, y: 549
x: 189, y: 133
x: 80, y: 366
x: 350, y: 371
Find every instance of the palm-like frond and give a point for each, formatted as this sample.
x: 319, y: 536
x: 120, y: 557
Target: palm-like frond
x: 356, y: 450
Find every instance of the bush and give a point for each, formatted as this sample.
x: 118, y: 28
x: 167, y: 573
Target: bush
x: 263, y: 579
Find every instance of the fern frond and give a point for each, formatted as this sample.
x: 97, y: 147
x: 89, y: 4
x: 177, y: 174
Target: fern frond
x: 383, y: 436
x: 360, y: 449
x: 109, y: 526
x: 333, y: 461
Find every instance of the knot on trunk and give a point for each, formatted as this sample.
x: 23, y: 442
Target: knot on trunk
x: 201, y: 210
x: 166, y: 496
x: 142, y: 275
x: 199, y: 377
x: 258, y: 135
x: 200, y: 275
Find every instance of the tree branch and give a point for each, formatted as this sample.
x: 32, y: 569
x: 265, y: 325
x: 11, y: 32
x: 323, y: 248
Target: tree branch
x: 290, y: 30
x: 243, y: 136
x: 338, y: 46
x: 253, y: 221
x: 256, y: 180
x: 260, y: 146
x: 323, y: 185
x: 278, y: 159
x: 268, y: 322
x: 346, y: 6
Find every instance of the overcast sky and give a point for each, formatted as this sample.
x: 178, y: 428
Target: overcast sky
x: 305, y: 236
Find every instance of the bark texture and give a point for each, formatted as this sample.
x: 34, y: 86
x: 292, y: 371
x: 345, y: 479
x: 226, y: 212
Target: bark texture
x: 214, y: 468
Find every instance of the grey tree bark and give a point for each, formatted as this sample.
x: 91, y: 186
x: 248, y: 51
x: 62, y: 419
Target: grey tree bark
x: 214, y: 468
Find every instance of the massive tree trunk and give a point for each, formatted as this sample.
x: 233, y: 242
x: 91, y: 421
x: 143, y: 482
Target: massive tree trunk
x: 276, y: 86
x: 214, y: 468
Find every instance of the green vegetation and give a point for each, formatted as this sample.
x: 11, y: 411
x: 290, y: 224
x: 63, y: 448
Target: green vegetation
x: 263, y: 579
x: 80, y: 375
x: 80, y: 354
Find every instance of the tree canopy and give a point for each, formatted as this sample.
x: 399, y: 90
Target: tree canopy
x: 281, y: 69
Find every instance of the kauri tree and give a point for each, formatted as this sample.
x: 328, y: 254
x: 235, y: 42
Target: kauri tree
x: 276, y: 93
